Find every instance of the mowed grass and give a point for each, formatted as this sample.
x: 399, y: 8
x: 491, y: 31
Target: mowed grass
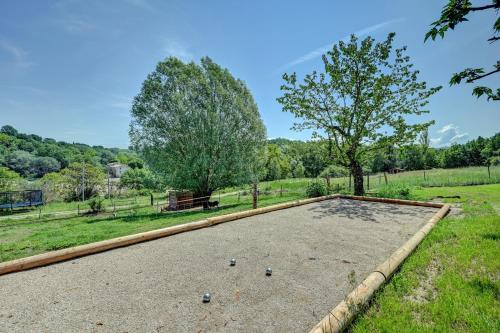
x: 451, y: 283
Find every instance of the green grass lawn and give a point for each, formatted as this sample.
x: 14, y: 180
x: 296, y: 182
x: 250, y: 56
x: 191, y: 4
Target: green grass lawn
x: 452, y: 281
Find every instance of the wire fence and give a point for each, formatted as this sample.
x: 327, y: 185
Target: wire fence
x: 156, y: 205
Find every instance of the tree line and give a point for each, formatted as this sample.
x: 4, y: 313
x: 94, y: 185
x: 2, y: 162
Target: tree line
x: 32, y: 156
x: 282, y: 158
x: 294, y: 159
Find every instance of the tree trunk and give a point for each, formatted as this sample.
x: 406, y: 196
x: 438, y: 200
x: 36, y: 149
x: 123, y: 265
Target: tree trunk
x: 357, y: 174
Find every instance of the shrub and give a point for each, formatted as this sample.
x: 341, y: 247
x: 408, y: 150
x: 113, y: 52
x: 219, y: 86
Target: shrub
x: 334, y: 171
x: 397, y: 191
x: 316, y: 189
x: 96, y: 205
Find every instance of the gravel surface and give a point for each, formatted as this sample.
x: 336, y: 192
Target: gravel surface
x: 158, y: 286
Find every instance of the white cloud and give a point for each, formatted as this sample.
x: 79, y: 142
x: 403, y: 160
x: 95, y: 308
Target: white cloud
x: 178, y: 50
x: 323, y: 49
x: 17, y: 54
x: 76, y: 25
x: 448, y: 135
x: 122, y: 103
x: 144, y: 4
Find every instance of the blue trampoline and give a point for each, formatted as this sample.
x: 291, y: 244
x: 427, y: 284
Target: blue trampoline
x: 16, y: 199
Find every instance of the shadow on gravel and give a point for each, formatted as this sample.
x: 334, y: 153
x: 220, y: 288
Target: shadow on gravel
x: 359, y: 210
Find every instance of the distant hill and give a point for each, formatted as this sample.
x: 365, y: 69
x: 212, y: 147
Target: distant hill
x: 32, y: 156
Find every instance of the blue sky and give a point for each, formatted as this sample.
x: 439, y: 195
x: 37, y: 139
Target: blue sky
x: 69, y: 69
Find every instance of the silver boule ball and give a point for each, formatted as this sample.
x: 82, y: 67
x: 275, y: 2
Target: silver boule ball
x: 206, y: 297
x: 232, y: 262
x: 269, y: 271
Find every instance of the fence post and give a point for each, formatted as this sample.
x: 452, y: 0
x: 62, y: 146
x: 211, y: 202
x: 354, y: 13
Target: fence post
x: 281, y: 191
x: 152, y: 200
x: 157, y: 206
x: 368, y: 180
x: 349, y: 181
x: 78, y: 212
x: 254, y: 195
x: 238, y: 196
x: 385, y: 177
x: 489, y: 174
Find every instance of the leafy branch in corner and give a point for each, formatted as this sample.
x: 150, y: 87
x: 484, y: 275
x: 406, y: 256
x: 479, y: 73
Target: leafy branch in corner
x: 454, y: 13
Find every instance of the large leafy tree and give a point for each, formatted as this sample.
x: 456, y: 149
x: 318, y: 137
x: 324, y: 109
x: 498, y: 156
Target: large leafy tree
x: 454, y: 13
x: 198, y: 126
x: 8, y: 179
x: 81, y: 177
x: 360, y: 101
x: 138, y: 179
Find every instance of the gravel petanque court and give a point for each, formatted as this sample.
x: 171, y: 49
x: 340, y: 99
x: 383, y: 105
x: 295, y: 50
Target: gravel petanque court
x: 158, y: 286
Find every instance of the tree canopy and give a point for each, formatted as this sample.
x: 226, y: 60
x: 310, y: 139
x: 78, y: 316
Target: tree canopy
x: 197, y: 126
x: 360, y: 102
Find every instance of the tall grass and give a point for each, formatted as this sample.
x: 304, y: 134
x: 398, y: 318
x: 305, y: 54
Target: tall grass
x: 443, y: 177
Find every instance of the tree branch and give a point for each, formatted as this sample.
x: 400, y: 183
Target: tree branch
x: 470, y: 80
x: 473, y: 9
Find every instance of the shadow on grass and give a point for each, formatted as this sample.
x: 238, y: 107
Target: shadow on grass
x: 485, y: 286
x: 37, y: 221
x: 16, y: 211
x: 491, y: 236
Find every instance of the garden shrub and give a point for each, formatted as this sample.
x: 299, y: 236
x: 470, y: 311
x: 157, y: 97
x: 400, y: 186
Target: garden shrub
x: 316, y: 189
x: 96, y: 205
x: 396, y: 191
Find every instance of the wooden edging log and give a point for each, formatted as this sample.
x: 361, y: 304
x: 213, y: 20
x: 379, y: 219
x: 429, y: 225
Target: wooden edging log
x: 83, y: 250
x: 393, y: 201
x: 338, y: 318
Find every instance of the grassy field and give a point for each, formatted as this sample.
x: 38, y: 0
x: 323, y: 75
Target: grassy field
x: 452, y: 281
x: 443, y: 177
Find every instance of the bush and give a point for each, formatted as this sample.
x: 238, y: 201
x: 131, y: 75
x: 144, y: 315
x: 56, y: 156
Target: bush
x: 96, y: 205
x: 396, y: 191
x: 316, y: 189
x: 334, y: 171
